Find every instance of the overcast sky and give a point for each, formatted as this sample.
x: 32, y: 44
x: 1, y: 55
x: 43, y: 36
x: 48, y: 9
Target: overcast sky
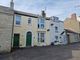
x: 60, y: 8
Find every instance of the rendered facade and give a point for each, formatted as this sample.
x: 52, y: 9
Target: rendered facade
x: 20, y: 29
x: 57, y: 32
x: 28, y: 29
x: 31, y: 30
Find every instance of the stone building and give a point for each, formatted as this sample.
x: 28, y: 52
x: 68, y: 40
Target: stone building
x: 72, y: 26
x: 6, y: 28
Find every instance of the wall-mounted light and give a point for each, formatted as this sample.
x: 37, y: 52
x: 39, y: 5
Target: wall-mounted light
x: 48, y: 29
x: 52, y: 24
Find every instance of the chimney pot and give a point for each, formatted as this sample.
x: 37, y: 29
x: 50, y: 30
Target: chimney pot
x: 43, y: 14
x: 73, y: 16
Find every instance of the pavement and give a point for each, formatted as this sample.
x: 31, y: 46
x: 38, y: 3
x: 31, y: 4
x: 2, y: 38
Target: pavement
x: 68, y: 52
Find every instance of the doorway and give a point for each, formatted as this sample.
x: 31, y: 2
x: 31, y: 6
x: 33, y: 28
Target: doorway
x: 28, y: 38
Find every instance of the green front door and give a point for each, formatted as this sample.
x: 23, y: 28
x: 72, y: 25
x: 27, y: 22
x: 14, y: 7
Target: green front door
x: 28, y: 39
x: 16, y: 41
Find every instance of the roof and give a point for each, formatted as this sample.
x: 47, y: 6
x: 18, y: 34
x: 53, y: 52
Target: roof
x: 4, y: 7
x: 29, y: 14
x: 26, y: 14
x: 23, y: 13
x: 6, y: 10
x: 70, y: 31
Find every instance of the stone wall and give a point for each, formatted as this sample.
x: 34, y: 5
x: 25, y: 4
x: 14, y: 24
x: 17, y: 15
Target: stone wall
x: 6, y: 22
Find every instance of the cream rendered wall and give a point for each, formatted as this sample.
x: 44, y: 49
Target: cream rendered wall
x: 25, y: 27
x: 47, y: 34
x: 30, y: 27
x: 48, y: 42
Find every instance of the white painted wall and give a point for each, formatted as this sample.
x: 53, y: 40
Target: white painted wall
x: 57, y: 23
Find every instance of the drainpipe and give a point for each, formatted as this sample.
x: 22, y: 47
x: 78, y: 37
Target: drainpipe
x: 12, y: 35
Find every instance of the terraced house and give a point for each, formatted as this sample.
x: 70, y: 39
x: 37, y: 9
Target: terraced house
x: 31, y: 29
x: 21, y: 29
x: 57, y: 32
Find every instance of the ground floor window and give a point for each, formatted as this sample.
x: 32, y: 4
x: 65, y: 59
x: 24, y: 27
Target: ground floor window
x: 56, y: 39
x: 41, y: 36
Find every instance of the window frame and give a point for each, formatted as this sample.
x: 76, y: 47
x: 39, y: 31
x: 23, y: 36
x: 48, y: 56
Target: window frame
x: 56, y: 29
x: 18, y: 19
x: 41, y: 37
x: 29, y: 20
x: 41, y: 23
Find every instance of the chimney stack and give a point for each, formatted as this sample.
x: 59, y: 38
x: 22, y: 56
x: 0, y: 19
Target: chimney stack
x: 12, y: 4
x: 43, y: 14
x: 73, y: 16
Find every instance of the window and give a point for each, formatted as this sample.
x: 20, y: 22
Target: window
x: 42, y: 20
x: 51, y: 24
x: 56, y: 37
x: 29, y: 20
x: 56, y: 29
x: 41, y: 23
x: 42, y: 26
x: 41, y: 36
x: 18, y: 19
x: 38, y: 25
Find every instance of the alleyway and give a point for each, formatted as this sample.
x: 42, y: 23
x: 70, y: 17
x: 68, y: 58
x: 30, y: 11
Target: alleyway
x: 70, y: 52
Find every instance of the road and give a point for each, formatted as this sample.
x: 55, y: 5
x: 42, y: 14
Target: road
x: 69, y: 52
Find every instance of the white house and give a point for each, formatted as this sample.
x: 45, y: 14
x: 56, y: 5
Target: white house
x: 57, y: 32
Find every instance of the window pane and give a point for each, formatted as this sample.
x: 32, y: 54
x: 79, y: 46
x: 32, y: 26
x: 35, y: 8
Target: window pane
x: 18, y: 19
x: 41, y: 23
x: 56, y: 29
x: 38, y: 37
x: 29, y: 20
x: 41, y: 37
x: 38, y: 25
x: 56, y: 37
x: 42, y: 26
x: 42, y: 20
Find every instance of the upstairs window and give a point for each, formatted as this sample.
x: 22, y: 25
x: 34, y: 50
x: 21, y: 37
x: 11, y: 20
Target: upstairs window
x: 29, y: 20
x: 41, y: 23
x: 42, y: 26
x: 52, y: 24
x: 42, y: 20
x: 56, y: 29
x: 18, y: 19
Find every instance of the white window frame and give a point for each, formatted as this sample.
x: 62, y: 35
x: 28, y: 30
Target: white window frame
x: 29, y: 20
x: 16, y: 19
x: 41, y: 25
x: 40, y: 37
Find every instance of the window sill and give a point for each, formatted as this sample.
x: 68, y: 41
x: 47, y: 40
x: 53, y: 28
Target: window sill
x: 29, y: 24
x: 17, y: 25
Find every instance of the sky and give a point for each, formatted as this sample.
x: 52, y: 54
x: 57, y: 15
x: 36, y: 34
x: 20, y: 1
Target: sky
x: 59, y: 8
